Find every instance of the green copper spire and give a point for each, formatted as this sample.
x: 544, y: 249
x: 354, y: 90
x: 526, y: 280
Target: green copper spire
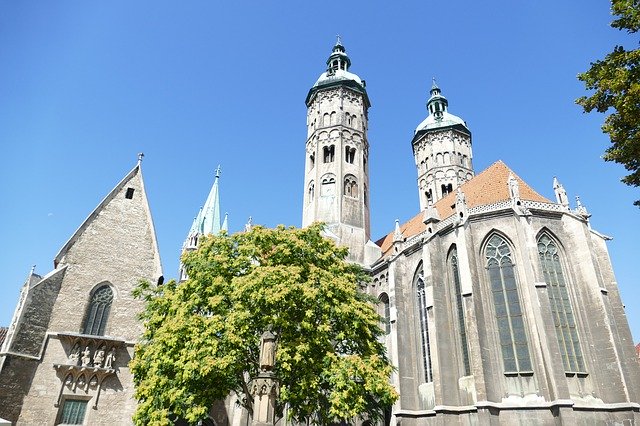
x: 208, y: 219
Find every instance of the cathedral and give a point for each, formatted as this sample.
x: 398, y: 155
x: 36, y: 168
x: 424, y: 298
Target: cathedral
x: 500, y: 306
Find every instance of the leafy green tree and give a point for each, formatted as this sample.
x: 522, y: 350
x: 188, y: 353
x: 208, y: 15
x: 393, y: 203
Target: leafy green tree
x: 202, y: 336
x: 616, y: 82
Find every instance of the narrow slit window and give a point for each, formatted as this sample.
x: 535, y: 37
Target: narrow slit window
x: 129, y: 194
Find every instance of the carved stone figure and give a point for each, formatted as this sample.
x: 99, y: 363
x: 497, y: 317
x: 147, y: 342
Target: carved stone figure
x: 86, y: 357
x: 74, y: 356
x: 98, y: 358
x: 111, y: 357
x: 514, y: 188
x: 267, y: 351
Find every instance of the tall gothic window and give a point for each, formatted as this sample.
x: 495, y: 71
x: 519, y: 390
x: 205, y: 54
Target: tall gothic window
x: 563, y: 319
x: 513, y: 338
x: 385, y: 312
x: 98, y: 313
x: 462, y: 329
x: 423, y: 316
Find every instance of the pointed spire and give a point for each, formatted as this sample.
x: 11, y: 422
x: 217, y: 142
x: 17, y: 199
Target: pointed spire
x: 210, y: 220
x: 434, y: 87
x: 561, y: 194
x: 580, y: 209
x: 225, y: 223
x: 397, y: 233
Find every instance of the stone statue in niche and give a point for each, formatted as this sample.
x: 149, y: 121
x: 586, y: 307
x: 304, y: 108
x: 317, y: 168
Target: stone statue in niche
x: 111, y: 357
x: 94, y: 382
x: 86, y: 357
x: 98, y: 358
x: 74, y: 356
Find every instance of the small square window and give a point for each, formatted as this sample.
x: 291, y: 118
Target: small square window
x: 129, y: 194
x: 73, y: 412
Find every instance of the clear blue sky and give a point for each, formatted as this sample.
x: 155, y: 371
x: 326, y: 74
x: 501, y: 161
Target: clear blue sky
x: 85, y: 86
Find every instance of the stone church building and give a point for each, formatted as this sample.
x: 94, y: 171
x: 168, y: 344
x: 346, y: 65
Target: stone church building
x: 500, y: 306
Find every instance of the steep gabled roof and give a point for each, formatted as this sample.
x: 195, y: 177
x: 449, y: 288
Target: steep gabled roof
x: 103, y: 204
x: 488, y: 187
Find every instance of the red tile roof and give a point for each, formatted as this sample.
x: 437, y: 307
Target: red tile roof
x: 488, y: 187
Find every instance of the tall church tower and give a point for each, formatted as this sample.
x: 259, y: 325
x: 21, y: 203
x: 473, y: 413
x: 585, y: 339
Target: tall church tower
x: 442, y: 151
x: 336, y: 170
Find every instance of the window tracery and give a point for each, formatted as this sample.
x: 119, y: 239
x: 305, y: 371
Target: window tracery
x: 98, y: 311
x: 561, y: 309
x: 506, y: 301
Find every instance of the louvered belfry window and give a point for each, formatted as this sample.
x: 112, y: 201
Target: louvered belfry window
x: 98, y: 312
x: 561, y: 309
x: 506, y: 300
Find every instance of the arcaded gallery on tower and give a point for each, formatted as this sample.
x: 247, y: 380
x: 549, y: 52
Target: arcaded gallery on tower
x: 501, y: 305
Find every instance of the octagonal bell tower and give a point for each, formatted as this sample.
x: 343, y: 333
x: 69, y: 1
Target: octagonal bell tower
x: 336, y: 178
x: 442, y: 151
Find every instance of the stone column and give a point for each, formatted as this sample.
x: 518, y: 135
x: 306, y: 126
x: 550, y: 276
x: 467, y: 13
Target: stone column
x: 265, y: 387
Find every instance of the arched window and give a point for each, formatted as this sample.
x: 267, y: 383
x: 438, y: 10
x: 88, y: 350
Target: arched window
x: 334, y: 118
x: 325, y: 119
x: 385, y: 312
x: 513, y: 338
x: 350, y: 186
x: 462, y: 328
x: 311, y: 191
x: 328, y: 153
x: 312, y: 161
x: 328, y: 185
x: 349, y: 154
x: 561, y: 309
x: 98, y: 312
x: 423, y: 315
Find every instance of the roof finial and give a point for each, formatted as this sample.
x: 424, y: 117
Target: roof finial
x: 33, y: 269
x: 338, y: 40
x: 140, y: 155
x: 218, y: 170
x: 433, y: 83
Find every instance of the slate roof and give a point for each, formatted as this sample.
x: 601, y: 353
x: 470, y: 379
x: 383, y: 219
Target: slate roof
x: 488, y: 187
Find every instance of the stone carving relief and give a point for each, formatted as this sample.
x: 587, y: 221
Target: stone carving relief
x: 85, y: 370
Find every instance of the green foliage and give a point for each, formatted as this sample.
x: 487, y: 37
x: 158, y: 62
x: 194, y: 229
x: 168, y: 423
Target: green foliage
x: 616, y: 82
x: 202, y: 336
